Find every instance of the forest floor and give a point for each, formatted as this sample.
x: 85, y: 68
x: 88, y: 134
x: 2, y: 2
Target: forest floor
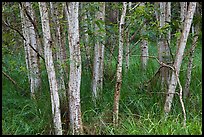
x: 140, y: 110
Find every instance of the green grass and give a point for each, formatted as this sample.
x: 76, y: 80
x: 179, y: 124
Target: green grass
x: 140, y: 110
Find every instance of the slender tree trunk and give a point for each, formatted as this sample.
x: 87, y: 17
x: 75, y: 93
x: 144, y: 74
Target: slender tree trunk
x: 75, y: 68
x: 26, y: 42
x: 164, y: 51
x: 119, y: 66
x: 179, y: 57
x: 127, y: 54
x: 98, y: 55
x: 86, y: 36
x: 33, y: 62
x: 156, y: 6
x: 50, y: 68
x: 190, y: 63
x: 183, y: 7
x: 59, y: 53
x: 144, y: 46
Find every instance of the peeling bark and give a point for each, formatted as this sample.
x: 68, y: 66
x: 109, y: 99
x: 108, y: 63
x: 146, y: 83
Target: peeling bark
x: 72, y: 9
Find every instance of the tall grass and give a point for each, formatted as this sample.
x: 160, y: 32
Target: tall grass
x: 140, y: 109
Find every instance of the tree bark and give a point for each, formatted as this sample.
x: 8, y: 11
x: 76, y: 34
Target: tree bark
x: 32, y: 58
x: 50, y: 68
x: 75, y: 68
x: 179, y: 57
x: 190, y: 62
x: 183, y: 7
x: 97, y: 81
x: 127, y: 49
x: 59, y: 53
x: 119, y: 66
x: 164, y: 51
x: 144, y: 46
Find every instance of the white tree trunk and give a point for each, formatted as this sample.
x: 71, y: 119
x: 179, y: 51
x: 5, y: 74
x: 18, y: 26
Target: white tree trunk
x: 50, y: 68
x: 144, y: 46
x: 179, y: 57
x: 98, y: 55
x: 156, y: 6
x: 26, y: 42
x: 183, y: 7
x: 75, y: 67
x: 168, y: 19
x: 127, y: 49
x: 33, y: 65
x: 119, y: 66
x: 59, y: 52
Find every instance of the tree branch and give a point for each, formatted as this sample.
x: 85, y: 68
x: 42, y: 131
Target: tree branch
x: 23, y: 39
x: 177, y: 77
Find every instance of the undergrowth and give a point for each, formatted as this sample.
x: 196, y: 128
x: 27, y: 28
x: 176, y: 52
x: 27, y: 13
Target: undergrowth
x: 140, y: 110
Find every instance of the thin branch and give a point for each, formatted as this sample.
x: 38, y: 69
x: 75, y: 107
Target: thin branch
x: 23, y: 38
x: 135, y: 6
x: 181, y: 100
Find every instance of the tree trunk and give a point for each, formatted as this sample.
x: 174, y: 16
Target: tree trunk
x: 26, y: 42
x: 127, y: 54
x: 75, y: 68
x: 156, y: 6
x: 50, y: 68
x: 144, y: 46
x: 85, y: 37
x: 119, y: 66
x: 33, y: 62
x: 164, y: 51
x: 183, y: 7
x: 59, y: 53
x: 98, y: 54
x: 190, y: 63
x: 179, y: 57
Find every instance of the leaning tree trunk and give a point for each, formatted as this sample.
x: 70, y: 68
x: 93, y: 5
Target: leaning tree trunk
x: 119, y: 66
x: 179, y: 57
x: 72, y: 9
x: 50, y: 68
x: 97, y: 81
